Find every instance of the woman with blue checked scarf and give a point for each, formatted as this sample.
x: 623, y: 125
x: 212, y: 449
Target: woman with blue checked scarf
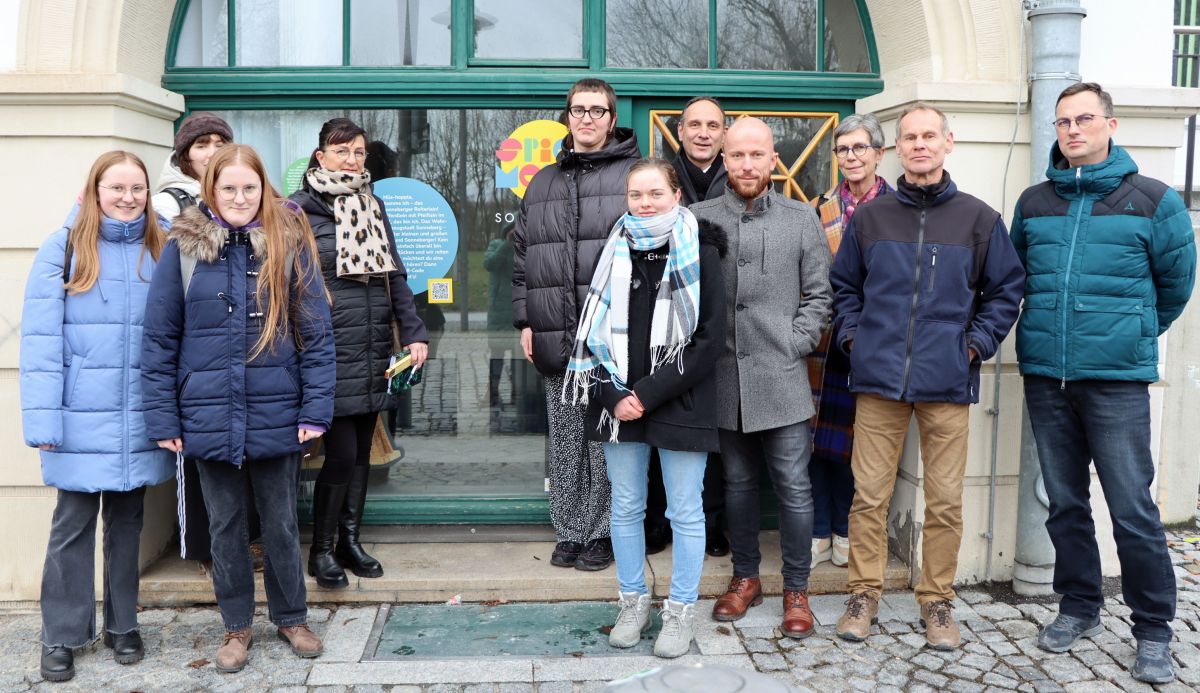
x: 648, y: 339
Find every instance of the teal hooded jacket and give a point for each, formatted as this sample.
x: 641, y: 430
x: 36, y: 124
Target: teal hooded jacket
x: 1110, y: 261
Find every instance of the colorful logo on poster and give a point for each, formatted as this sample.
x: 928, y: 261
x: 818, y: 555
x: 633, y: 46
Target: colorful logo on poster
x: 529, y: 149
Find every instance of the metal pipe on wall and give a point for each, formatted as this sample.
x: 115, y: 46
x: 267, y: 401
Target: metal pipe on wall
x: 1054, y: 42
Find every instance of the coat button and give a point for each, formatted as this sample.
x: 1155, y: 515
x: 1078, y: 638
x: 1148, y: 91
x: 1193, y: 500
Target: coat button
x: 746, y: 218
x: 741, y: 354
x: 741, y: 262
x: 741, y: 306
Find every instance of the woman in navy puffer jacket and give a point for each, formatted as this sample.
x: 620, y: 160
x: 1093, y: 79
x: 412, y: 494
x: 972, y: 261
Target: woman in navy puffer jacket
x: 81, y: 404
x: 240, y: 382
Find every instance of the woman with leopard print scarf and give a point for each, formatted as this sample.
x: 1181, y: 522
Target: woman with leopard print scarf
x: 369, y: 287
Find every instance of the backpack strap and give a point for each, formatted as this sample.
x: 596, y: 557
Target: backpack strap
x: 183, y: 198
x: 187, y: 267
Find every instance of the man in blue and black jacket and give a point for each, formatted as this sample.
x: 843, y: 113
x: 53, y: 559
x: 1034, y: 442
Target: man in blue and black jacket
x: 1111, y: 261
x: 926, y: 286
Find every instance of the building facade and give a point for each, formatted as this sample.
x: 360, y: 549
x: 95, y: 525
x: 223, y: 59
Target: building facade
x: 461, y: 99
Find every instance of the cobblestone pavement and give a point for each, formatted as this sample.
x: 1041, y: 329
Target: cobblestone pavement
x: 999, y: 653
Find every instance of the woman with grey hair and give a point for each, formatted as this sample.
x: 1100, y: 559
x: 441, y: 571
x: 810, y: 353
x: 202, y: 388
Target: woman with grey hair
x: 858, y: 146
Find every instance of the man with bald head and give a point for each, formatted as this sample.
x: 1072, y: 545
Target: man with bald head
x: 927, y: 285
x: 778, y: 301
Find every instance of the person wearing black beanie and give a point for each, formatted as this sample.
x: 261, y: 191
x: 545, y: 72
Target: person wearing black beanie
x: 200, y: 135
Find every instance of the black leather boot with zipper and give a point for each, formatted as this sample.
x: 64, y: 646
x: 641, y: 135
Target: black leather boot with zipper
x: 349, y: 551
x: 322, y: 564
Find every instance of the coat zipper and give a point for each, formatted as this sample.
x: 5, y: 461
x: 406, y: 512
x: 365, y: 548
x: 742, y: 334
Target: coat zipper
x: 916, y: 297
x: 125, y: 366
x: 1066, y: 308
x: 933, y: 268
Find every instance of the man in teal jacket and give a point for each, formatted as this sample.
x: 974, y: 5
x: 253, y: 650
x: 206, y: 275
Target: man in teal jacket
x: 1110, y: 261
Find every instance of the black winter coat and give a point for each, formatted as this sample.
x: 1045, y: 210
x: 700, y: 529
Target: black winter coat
x: 681, y: 409
x: 567, y: 213
x: 362, y: 327
x: 198, y: 382
x: 691, y: 195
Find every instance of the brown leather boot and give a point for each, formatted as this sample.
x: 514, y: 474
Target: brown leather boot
x: 797, y: 617
x: 234, y: 651
x: 862, y: 611
x: 741, y: 594
x: 941, y: 632
x: 304, y: 642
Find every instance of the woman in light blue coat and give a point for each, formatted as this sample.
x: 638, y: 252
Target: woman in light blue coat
x: 81, y: 403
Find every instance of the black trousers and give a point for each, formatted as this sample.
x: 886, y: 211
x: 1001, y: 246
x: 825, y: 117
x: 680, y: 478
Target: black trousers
x: 347, y: 445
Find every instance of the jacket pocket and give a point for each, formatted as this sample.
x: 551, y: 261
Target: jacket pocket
x: 70, y: 379
x: 1037, y: 328
x: 291, y: 379
x: 1106, y: 332
x: 183, y: 384
x: 689, y: 400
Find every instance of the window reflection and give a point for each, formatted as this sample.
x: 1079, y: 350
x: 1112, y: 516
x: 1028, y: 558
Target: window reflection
x: 296, y: 32
x: 399, y: 32
x: 767, y: 34
x: 845, y: 43
x: 477, y: 423
x: 657, y: 33
x: 204, y: 37
x: 529, y: 29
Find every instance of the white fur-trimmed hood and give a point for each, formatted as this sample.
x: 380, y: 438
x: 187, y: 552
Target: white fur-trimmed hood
x: 202, y: 238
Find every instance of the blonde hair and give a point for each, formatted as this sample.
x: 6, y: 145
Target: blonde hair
x: 279, y: 224
x: 84, y: 236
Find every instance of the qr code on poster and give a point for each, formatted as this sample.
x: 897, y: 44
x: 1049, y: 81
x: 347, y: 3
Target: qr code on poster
x: 441, y: 291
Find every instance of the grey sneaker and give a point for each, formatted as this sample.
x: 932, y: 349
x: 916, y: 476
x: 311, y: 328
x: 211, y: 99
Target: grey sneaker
x: 632, y: 621
x: 1153, y: 663
x: 1064, y: 631
x: 678, y: 629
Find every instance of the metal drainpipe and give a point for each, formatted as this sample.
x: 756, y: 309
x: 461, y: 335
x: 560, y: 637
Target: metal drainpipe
x: 1054, y: 29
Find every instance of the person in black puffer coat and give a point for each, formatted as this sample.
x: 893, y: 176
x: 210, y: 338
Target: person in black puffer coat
x: 566, y: 215
x: 367, y: 295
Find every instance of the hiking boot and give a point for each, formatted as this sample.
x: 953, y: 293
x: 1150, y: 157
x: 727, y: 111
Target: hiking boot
x: 840, y: 553
x: 862, y: 612
x: 741, y: 594
x: 941, y: 632
x: 633, y: 620
x: 678, y: 630
x: 127, y: 647
x: 1064, y: 631
x: 234, y: 651
x: 58, y: 663
x: 565, y: 554
x: 797, y: 617
x: 304, y: 642
x: 597, y: 555
x: 822, y: 549
x: 1153, y: 663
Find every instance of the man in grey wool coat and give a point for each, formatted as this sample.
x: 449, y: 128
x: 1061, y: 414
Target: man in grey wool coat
x: 778, y: 301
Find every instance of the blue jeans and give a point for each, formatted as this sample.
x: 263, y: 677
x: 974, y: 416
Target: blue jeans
x: 683, y: 477
x: 833, y: 493
x: 786, y: 450
x: 1106, y: 422
x: 274, y: 482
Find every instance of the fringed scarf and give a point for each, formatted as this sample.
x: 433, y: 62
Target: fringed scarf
x: 363, y: 246
x: 601, y: 351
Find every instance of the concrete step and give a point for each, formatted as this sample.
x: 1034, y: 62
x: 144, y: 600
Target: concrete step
x: 487, y: 571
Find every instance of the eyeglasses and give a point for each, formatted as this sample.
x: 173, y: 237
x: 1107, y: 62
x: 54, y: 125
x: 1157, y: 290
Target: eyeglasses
x: 120, y: 190
x: 596, y: 112
x: 842, y: 151
x: 230, y: 192
x: 1083, y: 121
x: 343, y: 153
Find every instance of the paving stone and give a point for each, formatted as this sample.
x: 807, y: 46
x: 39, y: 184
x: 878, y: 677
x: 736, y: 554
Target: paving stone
x: 938, y: 681
x: 928, y: 661
x: 972, y: 597
x: 514, y: 688
x: 959, y: 671
x: 760, y: 645
x: 770, y: 662
x: 1003, y: 648
x: 1066, y: 669
x: 552, y: 687
x: 976, y: 661
x: 1096, y: 686
x: 1038, y: 613
x: 1093, y: 658
x: 1018, y: 628
x: 998, y: 611
x: 964, y: 687
x: 994, y: 679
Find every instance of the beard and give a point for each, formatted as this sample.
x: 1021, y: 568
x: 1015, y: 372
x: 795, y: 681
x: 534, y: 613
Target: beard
x: 750, y: 189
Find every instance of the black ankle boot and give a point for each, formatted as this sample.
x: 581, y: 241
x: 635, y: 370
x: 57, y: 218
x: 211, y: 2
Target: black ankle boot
x: 715, y: 543
x: 327, y: 504
x: 349, y: 551
x: 58, y: 663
